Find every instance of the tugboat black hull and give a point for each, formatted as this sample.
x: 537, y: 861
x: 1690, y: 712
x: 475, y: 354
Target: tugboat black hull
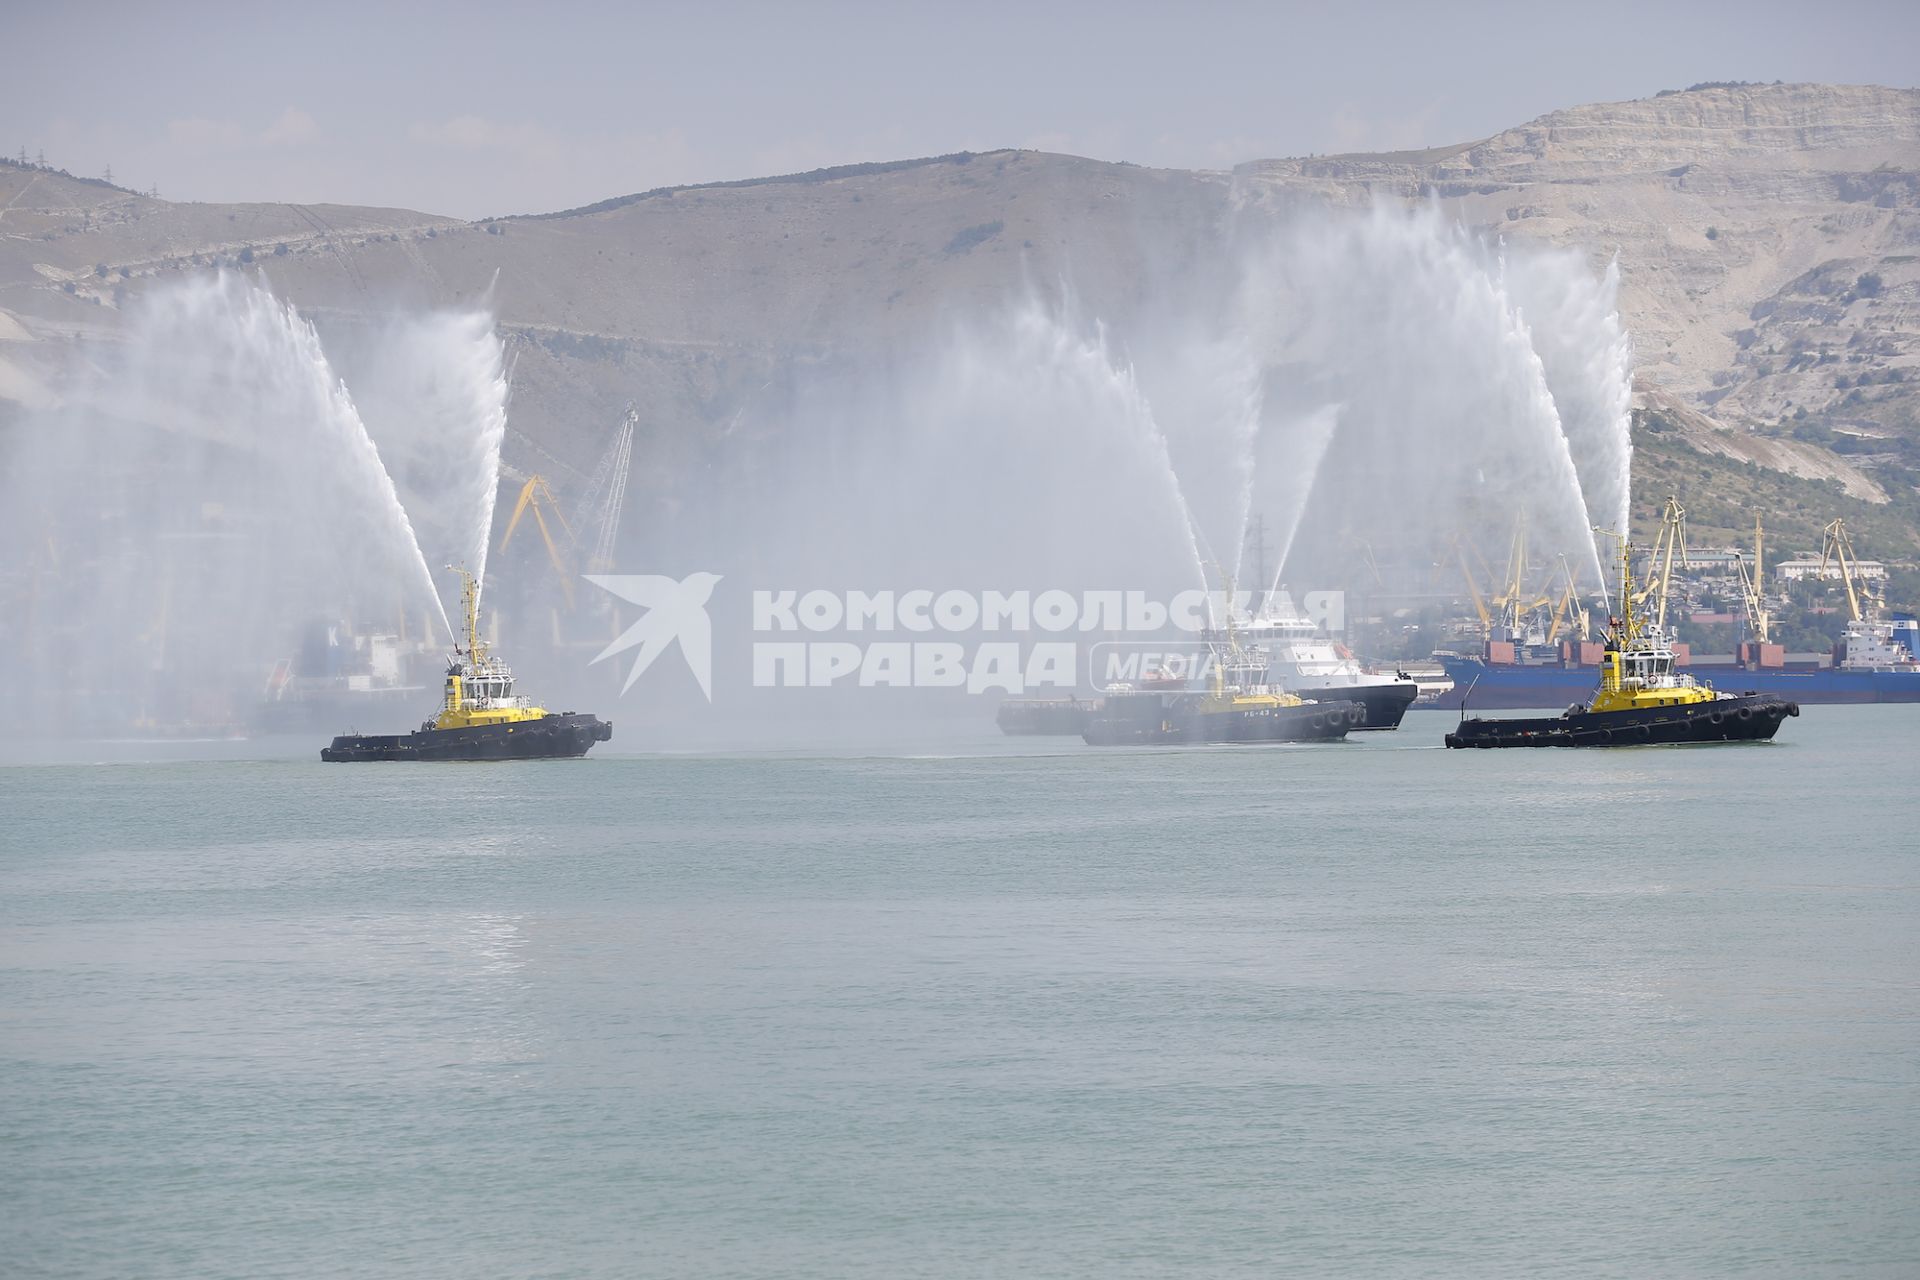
x: 552, y: 737
x: 1751, y: 717
x: 1148, y: 719
x: 1386, y: 704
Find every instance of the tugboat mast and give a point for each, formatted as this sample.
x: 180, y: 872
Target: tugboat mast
x: 470, y: 607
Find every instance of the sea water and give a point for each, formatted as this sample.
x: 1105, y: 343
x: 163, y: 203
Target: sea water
x: 970, y: 1006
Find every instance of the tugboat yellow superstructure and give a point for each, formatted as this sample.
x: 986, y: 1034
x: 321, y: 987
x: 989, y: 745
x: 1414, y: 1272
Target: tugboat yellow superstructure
x: 1642, y: 698
x: 481, y: 717
x: 1237, y: 706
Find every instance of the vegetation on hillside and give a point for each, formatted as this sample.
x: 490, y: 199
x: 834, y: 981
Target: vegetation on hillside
x: 1714, y: 84
x: 1723, y: 496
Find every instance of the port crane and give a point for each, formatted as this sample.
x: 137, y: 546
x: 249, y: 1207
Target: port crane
x: 1473, y: 589
x: 1753, y: 584
x: 598, y: 510
x: 605, y: 496
x: 535, y: 495
x: 1838, y: 547
x: 1569, y: 613
x: 1671, y: 541
x: 1516, y: 603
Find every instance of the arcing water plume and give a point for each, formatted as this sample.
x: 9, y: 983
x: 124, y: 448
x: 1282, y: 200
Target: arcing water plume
x: 209, y: 509
x: 1311, y: 438
x: 1450, y: 425
x: 222, y: 356
x: 1016, y: 448
x: 1105, y: 401
x: 433, y: 388
x: 1372, y: 381
x: 1207, y: 400
x: 1573, y: 319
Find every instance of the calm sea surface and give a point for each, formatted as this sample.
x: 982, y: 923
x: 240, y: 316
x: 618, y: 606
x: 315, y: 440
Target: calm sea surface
x: 974, y: 1006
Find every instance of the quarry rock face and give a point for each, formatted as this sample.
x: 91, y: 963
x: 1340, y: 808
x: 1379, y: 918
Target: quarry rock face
x: 1742, y: 219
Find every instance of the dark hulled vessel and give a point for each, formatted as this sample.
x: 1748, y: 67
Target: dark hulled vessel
x: 1138, y: 719
x: 554, y: 736
x: 1746, y: 717
x: 481, y: 718
x: 1235, y: 709
x: 1641, y: 700
x: 1065, y: 717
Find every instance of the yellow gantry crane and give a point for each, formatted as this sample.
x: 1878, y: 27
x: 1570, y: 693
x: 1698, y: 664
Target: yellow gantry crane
x: 534, y: 495
x: 1514, y: 602
x: 1671, y: 541
x: 1569, y: 612
x: 1753, y: 586
x: 1473, y: 589
x: 1839, y: 547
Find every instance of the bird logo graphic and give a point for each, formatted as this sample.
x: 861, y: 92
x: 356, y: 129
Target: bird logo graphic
x: 674, y: 611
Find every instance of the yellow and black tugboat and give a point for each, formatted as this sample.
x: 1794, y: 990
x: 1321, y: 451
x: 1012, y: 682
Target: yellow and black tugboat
x: 481, y: 718
x: 1641, y: 699
x: 1235, y: 707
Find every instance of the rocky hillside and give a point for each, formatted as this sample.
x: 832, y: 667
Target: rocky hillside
x: 1769, y: 246
x: 1768, y: 239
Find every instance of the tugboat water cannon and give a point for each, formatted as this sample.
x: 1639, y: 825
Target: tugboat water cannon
x: 481, y: 718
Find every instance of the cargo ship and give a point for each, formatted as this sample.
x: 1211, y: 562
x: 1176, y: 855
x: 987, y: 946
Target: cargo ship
x: 481, y: 718
x: 1641, y: 699
x: 1876, y: 659
x: 1871, y: 663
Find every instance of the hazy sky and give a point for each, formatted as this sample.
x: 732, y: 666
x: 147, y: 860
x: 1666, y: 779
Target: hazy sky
x: 489, y: 107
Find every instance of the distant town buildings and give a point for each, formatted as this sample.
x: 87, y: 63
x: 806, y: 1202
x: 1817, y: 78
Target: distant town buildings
x: 1802, y: 570
x: 1708, y: 559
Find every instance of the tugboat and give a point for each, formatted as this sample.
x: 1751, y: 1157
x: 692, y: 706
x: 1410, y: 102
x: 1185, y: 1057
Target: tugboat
x: 1641, y: 699
x: 481, y: 718
x: 1234, y: 709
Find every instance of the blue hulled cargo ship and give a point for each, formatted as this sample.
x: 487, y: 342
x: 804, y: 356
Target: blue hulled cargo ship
x: 1874, y: 661
x: 1521, y: 664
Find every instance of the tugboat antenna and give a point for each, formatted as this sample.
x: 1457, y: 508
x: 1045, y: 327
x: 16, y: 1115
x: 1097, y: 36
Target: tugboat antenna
x: 470, y: 608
